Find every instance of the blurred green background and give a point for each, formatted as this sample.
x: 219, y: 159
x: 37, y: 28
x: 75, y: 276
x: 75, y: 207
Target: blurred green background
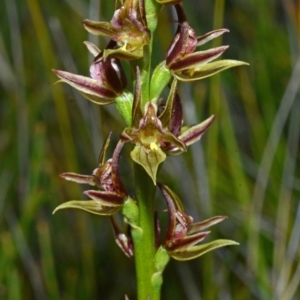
x: 245, y: 166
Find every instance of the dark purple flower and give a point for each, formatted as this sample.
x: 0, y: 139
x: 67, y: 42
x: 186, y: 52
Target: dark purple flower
x: 111, y: 194
x: 187, y: 65
x: 183, y: 234
x: 107, y: 80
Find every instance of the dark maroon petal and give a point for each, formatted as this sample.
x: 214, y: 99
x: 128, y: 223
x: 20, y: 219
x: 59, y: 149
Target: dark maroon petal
x: 171, y: 117
x: 118, y: 185
x: 179, y: 45
x: 210, y: 36
x: 136, y: 108
x: 85, y: 84
x: 177, y: 116
x: 194, y: 59
x: 82, y: 179
x: 105, y: 198
x: 191, y: 42
x: 142, y: 13
x: 114, y: 75
x: 171, y: 213
x: 166, y: 115
x: 101, y: 159
x: 186, y: 242
x: 184, y: 41
x: 195, y: 227
x: 194, y: 133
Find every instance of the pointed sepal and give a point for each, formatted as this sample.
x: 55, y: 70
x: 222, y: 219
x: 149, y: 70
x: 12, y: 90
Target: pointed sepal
x: 209, y: 69
x: 105, y: 198
x: 100, y: 28
x: 195, y: 227
x: 194, y: 61
x: 90, y: 88
x: 194, y: 133
x: 210, y: 36
x: 90, y: 206
x: 81, y: 179
x: 94, y: 50
x: 197, y: 251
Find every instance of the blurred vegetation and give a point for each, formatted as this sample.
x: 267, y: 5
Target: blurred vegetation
x: 245, y: 166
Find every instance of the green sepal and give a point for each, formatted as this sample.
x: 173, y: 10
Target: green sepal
x: 160, y: 78
x: 90, y: 206
x: 100, y: 28
x: 124, y: 106
x: 209, y: 69
x: 149, y: 159
x: 197, y: 251
x: 97, y: 100
x: 123, y: 53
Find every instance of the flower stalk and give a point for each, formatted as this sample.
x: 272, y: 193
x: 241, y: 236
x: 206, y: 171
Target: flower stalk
x: 154, y: 127
x: 144, y: 245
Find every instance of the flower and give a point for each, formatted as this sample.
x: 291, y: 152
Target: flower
x: 111, y: 196
x: 183, y: 234
x: 124, y: 241
x: 128, y: 28
x: 188, y: 65
x: 107, y: 80
x: 157, y: 135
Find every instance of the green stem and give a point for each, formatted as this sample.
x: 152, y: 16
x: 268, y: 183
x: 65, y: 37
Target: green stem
x: 144, y: 244
x: 151, y: 8
x: 144, y: 236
